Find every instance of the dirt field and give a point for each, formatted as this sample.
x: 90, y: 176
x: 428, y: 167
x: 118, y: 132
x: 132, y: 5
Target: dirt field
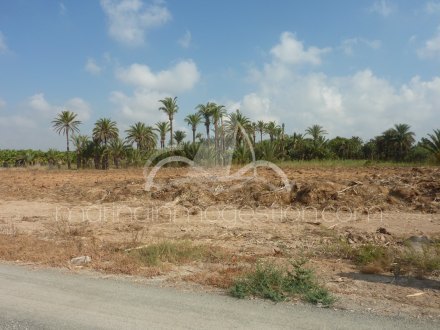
x: 48, y: 217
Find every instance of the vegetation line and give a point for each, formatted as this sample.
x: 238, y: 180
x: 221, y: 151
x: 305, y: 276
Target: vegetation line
x: 105, y: 147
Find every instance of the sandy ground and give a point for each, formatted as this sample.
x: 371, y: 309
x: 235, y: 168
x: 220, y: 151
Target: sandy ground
x: 251, y: 218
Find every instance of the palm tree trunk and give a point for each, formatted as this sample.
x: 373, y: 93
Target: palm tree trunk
x: 216, y: 141
x: 171, y: 132
x: 223, y: 135
x: 207, y: 132
x: 194, y: 134
x: 215, y: 136
x: 78, y: 160
x: 68, y: 149
x: 261, y: 136
x: 105, y: 158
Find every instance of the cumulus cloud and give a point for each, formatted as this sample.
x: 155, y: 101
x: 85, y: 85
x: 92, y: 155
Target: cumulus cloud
x: 150, y: 87
x: 92, y: 67
x: 383, y: 7
x: 142, y: 106
x: 292, y: 51
x: 28, y: 125
x: 348, y: 45
x: 3, y: 46
x: 38, y: 102
x: 179, y: 78
x: 79, y: 106
x: 129, y: 20
x: 432, y: 7
x: 185, y: 41
x: 361, y: 104
x: 431, y: 47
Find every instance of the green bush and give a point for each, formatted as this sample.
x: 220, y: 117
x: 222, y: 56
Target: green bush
x: 269, y: 281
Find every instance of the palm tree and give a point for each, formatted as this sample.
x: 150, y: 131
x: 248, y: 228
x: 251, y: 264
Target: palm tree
x: 142, y: 135
x: 237, y: 120
x: 105, y: 130
x: 170, y: 107
x: 404, y: 139
x: 206, y: 112
x: 433, y: 144
x: 80, y: 142
x: 179, y: 136
x: 253, y: 130
x: 66, y: 123
x: 271, y: 129
x: 261, y: 127
x: 316, y: 131
x: 193, y: 120
x: 162, y: 127
x: 51, y: 156
x: 217, y: 112
x: 118, y: 150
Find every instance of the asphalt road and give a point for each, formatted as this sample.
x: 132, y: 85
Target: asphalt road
x: 56, y: 299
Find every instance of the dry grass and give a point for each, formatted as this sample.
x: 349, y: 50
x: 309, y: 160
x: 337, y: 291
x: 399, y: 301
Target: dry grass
x: 219, y: 276
x: 177, y: 252
x: 106, y: 257
x: 376, y: 259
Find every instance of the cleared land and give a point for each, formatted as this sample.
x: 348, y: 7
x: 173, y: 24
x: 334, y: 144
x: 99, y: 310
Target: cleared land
x: 353, y: 225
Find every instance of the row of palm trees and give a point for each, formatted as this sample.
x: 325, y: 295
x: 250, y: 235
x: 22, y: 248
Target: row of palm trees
x: 105, y: 143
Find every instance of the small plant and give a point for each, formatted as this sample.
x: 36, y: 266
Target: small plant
x: 174, y: 252
x: 269, y: 281
x: 420, y: 262
x: 370, y: 253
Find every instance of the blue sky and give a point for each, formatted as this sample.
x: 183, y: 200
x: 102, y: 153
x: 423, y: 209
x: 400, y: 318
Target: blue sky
x: 354, y: 67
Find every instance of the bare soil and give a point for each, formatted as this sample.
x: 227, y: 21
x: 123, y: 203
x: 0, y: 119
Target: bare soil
x: 50, y: 216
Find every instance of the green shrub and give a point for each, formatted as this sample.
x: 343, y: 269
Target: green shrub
x: 369, y: 253
x: 269, y: 281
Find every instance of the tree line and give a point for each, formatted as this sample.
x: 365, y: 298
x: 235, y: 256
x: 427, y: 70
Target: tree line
x: 269, y: 141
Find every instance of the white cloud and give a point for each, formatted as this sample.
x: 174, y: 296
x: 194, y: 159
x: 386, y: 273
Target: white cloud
x: 129, y: 20
x: 292, y: 51
x: 261, y: 107
x: 150, y: 87
x: 92, y: 67
x: 431, y: 48
x: 28, y: 125
x: 185, y: 41
x: 39, y: 103
x: 361, y: 104
x: 432, y: 7
x: 348, y: 45
x: 17, y: 121
x: 383, y: 7
x: 62, y: 9
x: 3, y: 46
x: 142, y: 106
x: 181, y: 77
x: 2, y: 103
x: 80, y: 107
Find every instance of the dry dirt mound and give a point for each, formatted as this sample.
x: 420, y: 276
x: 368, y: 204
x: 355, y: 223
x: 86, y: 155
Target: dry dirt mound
x: 412, y: 189
x: 405, y: 189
